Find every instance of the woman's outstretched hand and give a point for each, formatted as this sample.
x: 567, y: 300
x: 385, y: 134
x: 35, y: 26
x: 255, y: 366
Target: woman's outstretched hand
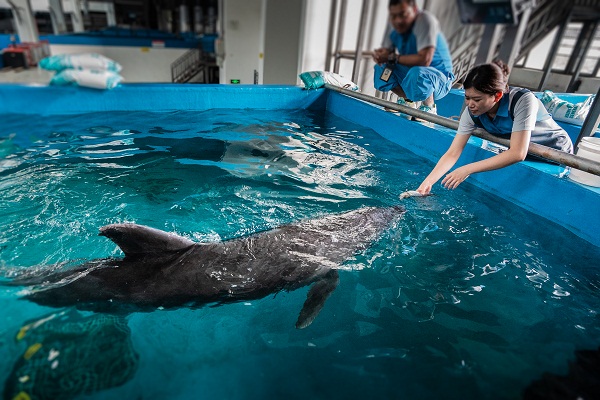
x: 456, y: 177
x: 424, y: 188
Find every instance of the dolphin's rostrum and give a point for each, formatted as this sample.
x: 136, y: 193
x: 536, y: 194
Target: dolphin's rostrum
x: 165, y: 270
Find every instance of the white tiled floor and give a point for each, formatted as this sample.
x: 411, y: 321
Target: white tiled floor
x: 30, y: 75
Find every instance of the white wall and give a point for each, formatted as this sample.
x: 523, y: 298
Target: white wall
x: 283, y: 41
x: 140, y: 64
x: 243, y: 39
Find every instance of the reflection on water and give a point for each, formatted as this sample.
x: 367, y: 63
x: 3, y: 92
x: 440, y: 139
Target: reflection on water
x: 242, y: 150
x: 465, y: 297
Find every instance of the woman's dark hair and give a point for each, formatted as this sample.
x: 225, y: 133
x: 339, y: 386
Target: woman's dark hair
x: 488, y: 78
x: 394, y: 2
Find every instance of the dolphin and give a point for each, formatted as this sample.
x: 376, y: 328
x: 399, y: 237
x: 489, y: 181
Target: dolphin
x: 164, y: 270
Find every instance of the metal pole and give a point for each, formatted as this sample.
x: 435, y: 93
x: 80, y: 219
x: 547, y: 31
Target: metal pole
x: 575, y: 51
x: 513, y: 36
x: 340, y: 33
x: 489, y: 41
x: 57, y: 16
x: 24, y: 20
x: 359, y: 42
x: 589, y: 28
x: 372, y: 25
x: 567, y: 159
x: 596, y: 68
x: 330, y: 34
x: 554, y: 51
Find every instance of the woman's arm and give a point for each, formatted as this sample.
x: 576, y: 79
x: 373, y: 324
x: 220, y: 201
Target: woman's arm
x: 519, y: 144
x: 444, y: 164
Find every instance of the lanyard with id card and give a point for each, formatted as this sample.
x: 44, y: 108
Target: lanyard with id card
x: 389, y: 67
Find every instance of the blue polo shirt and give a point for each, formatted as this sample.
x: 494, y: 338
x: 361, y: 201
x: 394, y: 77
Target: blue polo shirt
x: 502, y: 124
x: 424, y: 33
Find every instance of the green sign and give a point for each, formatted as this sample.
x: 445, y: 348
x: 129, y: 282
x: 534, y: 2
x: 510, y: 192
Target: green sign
x: 235, y: 81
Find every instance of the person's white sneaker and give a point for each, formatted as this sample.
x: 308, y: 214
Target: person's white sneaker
x: 412, y: 104
x: 428, y: 109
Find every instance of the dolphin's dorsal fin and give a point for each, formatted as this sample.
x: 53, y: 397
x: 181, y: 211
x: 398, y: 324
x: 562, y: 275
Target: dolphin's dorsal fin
x: 315, y: 299
x: 136, y: 240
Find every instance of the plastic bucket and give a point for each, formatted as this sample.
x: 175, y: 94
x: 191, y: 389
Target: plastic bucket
x: 588, y: 147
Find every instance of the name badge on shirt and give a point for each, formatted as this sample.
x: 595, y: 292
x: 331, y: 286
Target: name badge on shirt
x: 389, y: 68
x: 385, y: 75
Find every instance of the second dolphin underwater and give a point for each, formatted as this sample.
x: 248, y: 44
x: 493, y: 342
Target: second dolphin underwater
x: 165, y: 270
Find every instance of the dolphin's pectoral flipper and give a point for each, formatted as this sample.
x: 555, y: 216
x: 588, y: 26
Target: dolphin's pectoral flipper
x: 136, y: 239
x: 315, y: 299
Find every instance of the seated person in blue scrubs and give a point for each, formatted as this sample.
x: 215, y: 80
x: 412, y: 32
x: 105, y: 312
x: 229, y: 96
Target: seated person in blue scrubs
x: 414, y: 61
x: 512, y: 113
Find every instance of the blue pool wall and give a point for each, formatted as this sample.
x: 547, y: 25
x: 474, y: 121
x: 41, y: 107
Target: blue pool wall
x: 534, y: 186
x: 53, y: 100
x: 56, y: 100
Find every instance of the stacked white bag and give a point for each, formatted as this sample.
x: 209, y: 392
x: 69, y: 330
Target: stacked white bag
x: 85, y: 69
x: 562, y: 110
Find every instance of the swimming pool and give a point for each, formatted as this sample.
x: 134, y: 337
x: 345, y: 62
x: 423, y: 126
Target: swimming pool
x: 467, y: 296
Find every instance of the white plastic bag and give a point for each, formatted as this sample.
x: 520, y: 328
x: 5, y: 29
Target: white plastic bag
x: 93, y: 61
x: 317, y: 79
x: 562, y: 110
x: 87, y: 78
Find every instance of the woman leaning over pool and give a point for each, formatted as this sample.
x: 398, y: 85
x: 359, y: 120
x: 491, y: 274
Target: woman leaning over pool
x: 505, y: 112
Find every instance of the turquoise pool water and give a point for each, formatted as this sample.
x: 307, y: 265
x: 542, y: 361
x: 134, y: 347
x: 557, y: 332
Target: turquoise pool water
x: 467, y: 297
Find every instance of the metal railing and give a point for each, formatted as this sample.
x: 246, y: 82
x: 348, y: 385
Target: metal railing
x: 542, y: 16
x: 186, y: 66
x: 545, y: 17
x: 338, y: 11
x: 463, y: 46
